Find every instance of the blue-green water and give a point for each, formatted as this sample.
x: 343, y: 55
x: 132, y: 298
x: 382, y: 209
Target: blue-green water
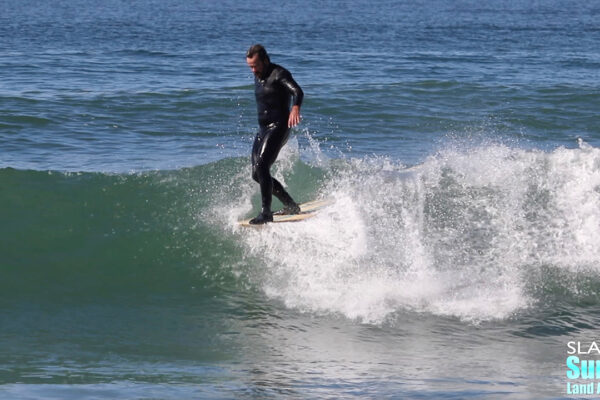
x: 461, y: 144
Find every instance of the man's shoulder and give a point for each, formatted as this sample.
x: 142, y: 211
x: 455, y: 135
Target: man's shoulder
x: 279, y: 70
x: 277, y: 67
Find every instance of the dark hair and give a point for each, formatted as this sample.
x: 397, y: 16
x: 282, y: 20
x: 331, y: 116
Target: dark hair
x: 260, y: 50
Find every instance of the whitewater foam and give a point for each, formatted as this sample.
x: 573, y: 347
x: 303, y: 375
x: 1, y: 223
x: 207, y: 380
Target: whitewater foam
x: 457, y: 235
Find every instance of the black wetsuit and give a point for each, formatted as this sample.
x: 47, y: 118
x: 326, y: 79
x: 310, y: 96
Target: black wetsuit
x: 274, y: 92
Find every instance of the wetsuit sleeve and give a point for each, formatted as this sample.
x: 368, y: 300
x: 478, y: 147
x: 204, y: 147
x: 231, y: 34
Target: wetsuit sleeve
x: 290, y: 84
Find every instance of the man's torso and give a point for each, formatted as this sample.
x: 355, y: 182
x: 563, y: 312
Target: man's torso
x: 272, y: 97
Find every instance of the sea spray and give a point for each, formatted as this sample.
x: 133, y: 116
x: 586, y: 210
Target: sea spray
x: 458, y: 235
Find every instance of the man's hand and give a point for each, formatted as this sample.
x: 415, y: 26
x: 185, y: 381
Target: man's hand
x: 294, y: 118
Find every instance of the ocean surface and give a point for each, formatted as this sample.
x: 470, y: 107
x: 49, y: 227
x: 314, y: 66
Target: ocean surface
x: 460, y: 141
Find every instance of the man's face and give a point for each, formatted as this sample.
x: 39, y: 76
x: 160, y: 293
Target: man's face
x: 256, y: 65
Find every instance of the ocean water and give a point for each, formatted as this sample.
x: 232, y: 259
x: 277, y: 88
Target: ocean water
x: 460, y: 141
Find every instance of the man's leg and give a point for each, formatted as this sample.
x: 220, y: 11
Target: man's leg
x: 261, y: 174
x: 289, y: 205
x: 267, y: 145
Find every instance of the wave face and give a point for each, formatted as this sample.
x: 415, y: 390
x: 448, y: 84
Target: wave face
x: 490, y: 232
x: 94, y: 234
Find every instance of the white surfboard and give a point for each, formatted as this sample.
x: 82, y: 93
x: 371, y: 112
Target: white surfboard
x: 307, y: 210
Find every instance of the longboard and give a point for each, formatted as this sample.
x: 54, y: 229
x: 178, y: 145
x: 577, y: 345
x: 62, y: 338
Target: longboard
x: 307, y: 210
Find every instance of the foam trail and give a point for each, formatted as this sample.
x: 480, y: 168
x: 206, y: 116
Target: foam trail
x: 454, y: 236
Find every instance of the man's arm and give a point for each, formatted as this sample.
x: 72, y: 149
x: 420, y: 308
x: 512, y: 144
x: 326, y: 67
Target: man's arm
x: 298, y: 95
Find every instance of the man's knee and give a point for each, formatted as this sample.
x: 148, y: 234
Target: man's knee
x: 260, y: 169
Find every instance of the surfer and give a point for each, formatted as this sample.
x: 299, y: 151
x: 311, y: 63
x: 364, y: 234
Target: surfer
x: 275, y: 90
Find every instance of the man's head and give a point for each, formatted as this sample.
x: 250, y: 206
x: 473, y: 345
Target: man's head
x: 257, y: 59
